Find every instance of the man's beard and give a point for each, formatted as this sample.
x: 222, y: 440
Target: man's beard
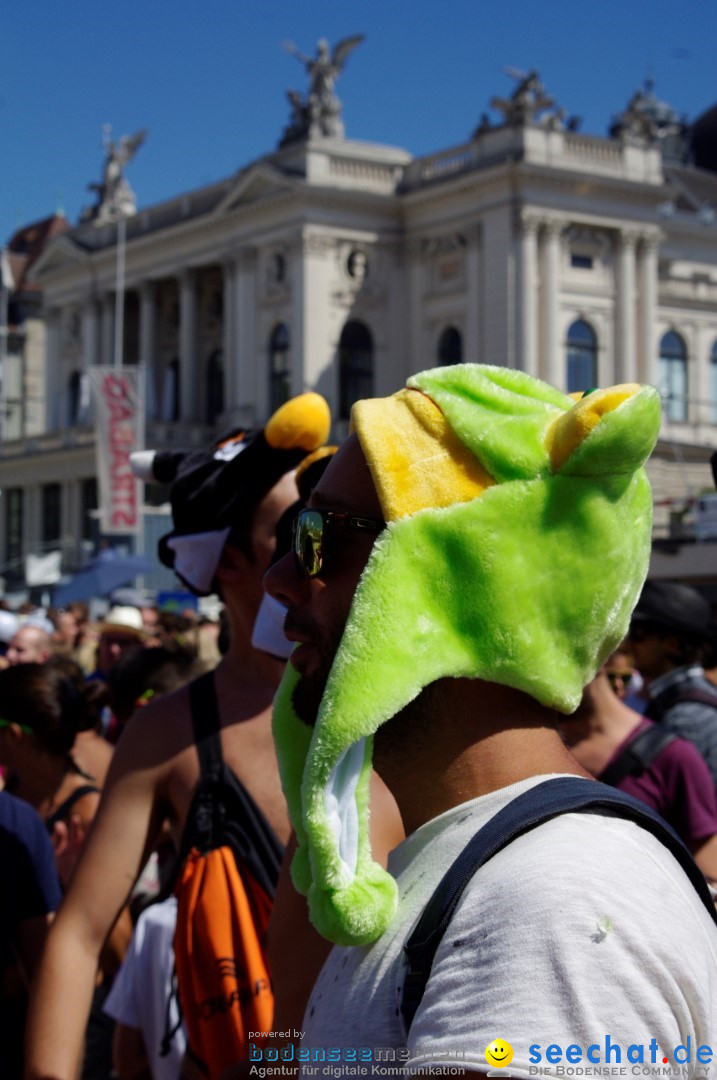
x: 308, y: 693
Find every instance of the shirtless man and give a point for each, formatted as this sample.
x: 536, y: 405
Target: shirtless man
x: 155, y: 769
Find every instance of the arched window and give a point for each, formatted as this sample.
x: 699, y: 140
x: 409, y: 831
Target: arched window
x: 215, y: 386
x: 170, y: 393
x: 713, y: 384
x: 450, y: 347
x: 355, y: 366
x: 582, y: 356
x: 672, y: 376
x: 279, y: 370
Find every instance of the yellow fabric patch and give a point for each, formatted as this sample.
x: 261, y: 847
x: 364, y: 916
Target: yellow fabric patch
x: 567, y: 431
x: 415, y: 459
x: 302, y: 423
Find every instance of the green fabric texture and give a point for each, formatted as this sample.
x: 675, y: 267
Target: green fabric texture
x: 499, y: 413
x: 493, y: 589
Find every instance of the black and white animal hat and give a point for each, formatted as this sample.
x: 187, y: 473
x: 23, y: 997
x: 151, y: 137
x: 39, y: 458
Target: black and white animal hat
x: 215, y: 491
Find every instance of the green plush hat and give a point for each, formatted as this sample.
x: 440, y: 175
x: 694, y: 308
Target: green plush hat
x: 518, y: 539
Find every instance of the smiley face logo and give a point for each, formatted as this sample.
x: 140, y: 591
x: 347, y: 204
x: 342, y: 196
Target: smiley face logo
x: 499, y: 1053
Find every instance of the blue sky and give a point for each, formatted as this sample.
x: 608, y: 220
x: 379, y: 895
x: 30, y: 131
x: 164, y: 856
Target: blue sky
x: 208, y: 78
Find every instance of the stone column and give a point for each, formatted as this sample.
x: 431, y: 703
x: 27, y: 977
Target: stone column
x: 229, y: 334
x: 32, y: 524
x: 320, y: 326
x: 553, y: 359
x: 647, y: 270
x: 297, y: 327
x: 107, y: 329
x: 626, y: 340
x: 188, y: 361
x: 416, y: 320
x: 471, y: 351
x: 148, y: 343
x: 53, y: 380
x: 249, y: 400
x: 701, y: 390
x: 90, y: 334
x: 528, y: 336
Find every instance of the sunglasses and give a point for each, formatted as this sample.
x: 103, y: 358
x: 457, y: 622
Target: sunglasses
x: 621, y: 678
x: 311, y: 529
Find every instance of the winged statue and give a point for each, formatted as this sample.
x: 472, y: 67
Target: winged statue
x: 115, y: 196
x: 319, y: 113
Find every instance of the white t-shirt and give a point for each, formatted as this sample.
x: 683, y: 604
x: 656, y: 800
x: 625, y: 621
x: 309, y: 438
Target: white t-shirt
x: 143, y: 986
x: 584, y: 928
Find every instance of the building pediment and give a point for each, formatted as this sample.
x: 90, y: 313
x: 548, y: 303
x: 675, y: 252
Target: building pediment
x: 59, y: 254
x: 257, y: 184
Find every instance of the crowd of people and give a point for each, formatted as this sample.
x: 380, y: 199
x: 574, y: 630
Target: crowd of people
x: 197, y: 879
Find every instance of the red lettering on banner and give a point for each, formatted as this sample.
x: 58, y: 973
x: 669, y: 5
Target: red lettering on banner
x: 121, y: 437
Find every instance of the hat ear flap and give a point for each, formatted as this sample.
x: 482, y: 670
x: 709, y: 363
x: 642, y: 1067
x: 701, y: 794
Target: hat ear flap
x: 607, y: 432
x: 156, y: 466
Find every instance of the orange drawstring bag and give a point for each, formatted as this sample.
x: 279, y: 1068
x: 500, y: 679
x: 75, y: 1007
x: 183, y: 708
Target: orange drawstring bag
x: 224, y: 898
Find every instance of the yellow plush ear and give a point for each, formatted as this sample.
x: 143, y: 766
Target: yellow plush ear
x: 302, y: 423
x: 567, y: 431
x: 415, y: 458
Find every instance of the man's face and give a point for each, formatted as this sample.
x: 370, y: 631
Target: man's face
x: 318, y: 607
x: 30, y: 645
x: 619, y: 668
x: 150, y: 619
x: 651, y: 651
x: 112, y: 644
x: 240, y: 575
x: 67, y: 628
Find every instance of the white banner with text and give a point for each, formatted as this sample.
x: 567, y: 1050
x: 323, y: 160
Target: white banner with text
x: 118, y: 400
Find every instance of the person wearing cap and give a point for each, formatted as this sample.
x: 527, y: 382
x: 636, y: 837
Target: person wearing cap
x: 669, y: 626
x: 468, y: 560
x: 225, y: 506
x: 121, y: 629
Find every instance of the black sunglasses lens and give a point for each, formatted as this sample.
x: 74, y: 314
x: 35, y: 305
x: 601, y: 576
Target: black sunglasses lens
x: 308, y: 537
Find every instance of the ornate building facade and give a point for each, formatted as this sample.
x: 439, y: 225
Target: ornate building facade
x: 345, y: 266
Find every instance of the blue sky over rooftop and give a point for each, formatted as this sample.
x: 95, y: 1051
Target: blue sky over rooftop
x: 208, y: 79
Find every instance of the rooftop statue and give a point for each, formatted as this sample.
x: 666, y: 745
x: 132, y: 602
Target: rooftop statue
x: 647, y: 121
x: 319, y: 113
x: 527, y: 100
x: 115, y: 198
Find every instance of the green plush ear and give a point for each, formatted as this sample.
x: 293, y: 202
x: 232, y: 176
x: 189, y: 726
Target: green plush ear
x: 621, y: 441
x: 500, y: 414
x: 292, y: 740
x: 351, y: 899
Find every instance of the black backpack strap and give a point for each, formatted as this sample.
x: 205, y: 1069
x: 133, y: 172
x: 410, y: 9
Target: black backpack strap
x: 560, y: 795
x: 639, y: 754
x: 65, y: 807
x: 673, y: 695
x: 204, y: 707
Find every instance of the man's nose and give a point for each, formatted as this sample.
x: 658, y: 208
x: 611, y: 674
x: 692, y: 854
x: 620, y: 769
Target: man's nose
x: 284, y: 582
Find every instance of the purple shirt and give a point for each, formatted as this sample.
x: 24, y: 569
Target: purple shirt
x: 678, y: 784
